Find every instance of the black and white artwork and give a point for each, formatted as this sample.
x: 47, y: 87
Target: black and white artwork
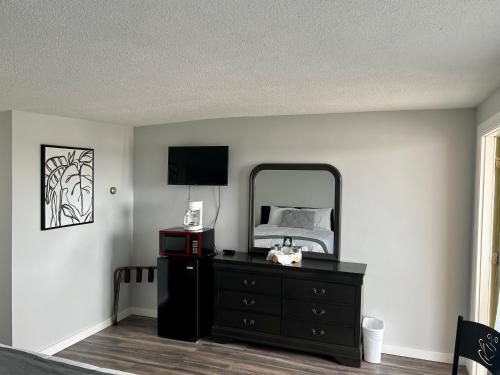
x: 67, y: 186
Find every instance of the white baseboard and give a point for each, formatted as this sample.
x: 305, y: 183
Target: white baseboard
x: 141, y: 311
x: 418, y: 353
x: 82, y: 335
x: 53, y: 349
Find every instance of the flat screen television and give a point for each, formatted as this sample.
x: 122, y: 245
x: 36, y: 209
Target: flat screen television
x: 204, y: 165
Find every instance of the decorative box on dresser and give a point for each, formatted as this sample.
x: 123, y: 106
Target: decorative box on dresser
x: 314, y: 306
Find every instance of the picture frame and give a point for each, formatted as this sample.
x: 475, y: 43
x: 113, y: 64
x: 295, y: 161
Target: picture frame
x: 67, y: 186
x: 287, y: 241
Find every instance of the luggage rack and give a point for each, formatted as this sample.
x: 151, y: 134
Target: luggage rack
x: 125, y: 274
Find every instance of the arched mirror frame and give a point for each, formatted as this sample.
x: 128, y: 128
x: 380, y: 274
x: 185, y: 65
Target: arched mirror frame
x: 298, y: 167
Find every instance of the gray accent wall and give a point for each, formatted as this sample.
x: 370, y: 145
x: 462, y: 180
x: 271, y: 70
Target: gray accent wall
x: 6, y: 228
x: 407, y: 203
x: 63, y: 278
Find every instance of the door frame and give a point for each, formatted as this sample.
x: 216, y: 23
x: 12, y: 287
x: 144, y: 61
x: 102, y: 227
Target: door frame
x: 483, y: 226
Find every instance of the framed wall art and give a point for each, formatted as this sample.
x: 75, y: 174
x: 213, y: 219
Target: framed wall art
x: 67, y: 186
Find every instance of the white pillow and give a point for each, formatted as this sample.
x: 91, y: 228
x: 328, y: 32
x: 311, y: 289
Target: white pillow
x: 275, y: 214
x: 322, y: 217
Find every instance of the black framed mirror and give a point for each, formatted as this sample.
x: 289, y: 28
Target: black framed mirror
x: 297, y: 201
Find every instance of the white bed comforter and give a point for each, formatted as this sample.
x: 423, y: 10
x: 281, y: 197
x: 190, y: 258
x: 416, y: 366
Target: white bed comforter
x: 316, y: 240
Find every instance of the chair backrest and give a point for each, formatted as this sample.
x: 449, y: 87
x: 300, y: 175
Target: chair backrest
x: 479, y: 343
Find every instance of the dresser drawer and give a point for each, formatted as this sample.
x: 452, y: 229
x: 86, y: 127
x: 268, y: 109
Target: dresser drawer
x: 249, y: 302
x: 316, y: 331
x: 248, y: 321
x: 248, y: 282
x: 317, y: 311
x: 320, y: 291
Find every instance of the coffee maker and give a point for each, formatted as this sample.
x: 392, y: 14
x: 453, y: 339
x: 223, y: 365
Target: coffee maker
x: 193, y: 218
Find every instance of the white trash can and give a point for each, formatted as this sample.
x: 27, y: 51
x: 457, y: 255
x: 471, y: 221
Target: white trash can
x: 373, y: 335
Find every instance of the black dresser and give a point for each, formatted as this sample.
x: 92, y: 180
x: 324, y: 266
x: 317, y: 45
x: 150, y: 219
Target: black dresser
x: 313, y: 307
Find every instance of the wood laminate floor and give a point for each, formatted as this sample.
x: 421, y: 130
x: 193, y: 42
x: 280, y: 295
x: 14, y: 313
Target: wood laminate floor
x: 133, y: 346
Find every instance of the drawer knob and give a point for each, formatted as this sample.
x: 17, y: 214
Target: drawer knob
x: 318, y: 312
x: 316, y: 332
x: 249, y: 283
x: 249, y: 303
x: 319, y: 292
x: 248, y: 322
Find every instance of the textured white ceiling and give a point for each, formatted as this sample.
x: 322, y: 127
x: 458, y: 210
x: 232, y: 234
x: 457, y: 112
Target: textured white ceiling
x: 147, y: 62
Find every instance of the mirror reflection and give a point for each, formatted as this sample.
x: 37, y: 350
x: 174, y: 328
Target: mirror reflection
x: 294, y: 206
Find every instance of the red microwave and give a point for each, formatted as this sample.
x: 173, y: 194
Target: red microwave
x: 179, y: 242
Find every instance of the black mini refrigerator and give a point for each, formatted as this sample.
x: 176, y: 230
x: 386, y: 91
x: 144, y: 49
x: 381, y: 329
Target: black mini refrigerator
x: 185, y: 297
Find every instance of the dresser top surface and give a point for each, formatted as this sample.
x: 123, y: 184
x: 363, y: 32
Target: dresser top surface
x: 305, y: 264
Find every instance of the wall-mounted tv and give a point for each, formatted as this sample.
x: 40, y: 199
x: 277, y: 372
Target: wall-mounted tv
x: 203, y: 165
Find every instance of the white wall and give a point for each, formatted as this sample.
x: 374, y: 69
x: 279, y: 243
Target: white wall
x: 5, y: 228
x: 293, y: 188
x: 62, y: 278
x: 407, y: 203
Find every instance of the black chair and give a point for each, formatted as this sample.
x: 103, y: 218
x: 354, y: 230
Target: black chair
x: 478, y: 343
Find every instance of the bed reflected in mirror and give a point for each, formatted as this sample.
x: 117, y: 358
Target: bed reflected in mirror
x: 295, y: 205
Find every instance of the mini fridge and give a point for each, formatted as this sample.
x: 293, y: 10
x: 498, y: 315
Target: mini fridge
x: 185, y: 297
